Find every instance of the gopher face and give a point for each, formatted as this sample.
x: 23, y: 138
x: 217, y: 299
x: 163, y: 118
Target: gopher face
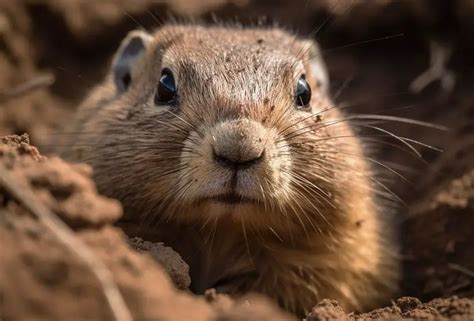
x: 223, y: 128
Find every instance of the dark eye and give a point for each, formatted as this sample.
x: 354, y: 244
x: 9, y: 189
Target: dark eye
x: 166, y: 91
x: 303, y: 93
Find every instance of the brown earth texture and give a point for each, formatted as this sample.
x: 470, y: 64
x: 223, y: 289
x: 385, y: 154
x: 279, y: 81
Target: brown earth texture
x: 63, y: 258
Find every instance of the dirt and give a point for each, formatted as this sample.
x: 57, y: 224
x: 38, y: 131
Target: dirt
x: 406, y: 308
x: 441, y: 259
x: 71, y: 42
x: 174, y: 265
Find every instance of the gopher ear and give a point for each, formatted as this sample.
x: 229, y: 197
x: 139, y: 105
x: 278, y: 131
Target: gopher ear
x: 317, y: 66
x: 129, y: 52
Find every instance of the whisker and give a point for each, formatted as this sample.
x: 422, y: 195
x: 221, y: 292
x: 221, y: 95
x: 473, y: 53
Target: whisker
x: 134, y: 20
x: 391, y: 195
x: 180, y: 118
x: 396, y: 137
x: 275, y: 233
x: 422, y: 144
x: 372, y: 161
x: 400, y: 120
x: 363, y: 42
x: 364, y: 117
x: 344, y: 85
x: 315, y: 208
x: 247, y: 243
x: 159, y: 23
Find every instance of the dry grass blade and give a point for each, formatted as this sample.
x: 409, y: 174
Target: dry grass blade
x: 461, y: 269
x: 65, y: 236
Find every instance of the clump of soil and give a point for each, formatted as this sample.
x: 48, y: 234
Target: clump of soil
x: 14, y: 146
x: 169, y: 259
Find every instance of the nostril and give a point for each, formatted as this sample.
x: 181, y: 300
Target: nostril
x: 237, y: 162
x: 222, y: 160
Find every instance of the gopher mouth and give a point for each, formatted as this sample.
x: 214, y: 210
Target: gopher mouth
x: 229, y: 199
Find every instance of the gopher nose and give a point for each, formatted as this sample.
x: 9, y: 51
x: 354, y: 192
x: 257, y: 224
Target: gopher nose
x: 238, y: 144
x: 238, y: 162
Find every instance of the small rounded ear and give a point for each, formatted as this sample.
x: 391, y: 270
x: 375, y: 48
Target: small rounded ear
x: 130, y: 51
x: 317, y: 66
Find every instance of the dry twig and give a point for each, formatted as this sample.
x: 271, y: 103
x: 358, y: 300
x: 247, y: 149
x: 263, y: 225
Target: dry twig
x: 64, y: 234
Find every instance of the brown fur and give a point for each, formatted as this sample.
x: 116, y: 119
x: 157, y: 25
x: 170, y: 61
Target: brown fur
x: 315, y: 229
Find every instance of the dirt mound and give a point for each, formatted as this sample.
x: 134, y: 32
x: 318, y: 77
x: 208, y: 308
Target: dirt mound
x: 403, y: 309
x: 42, y: 277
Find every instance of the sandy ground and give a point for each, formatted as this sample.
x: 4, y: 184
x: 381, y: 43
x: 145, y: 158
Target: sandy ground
x: 53, y: 52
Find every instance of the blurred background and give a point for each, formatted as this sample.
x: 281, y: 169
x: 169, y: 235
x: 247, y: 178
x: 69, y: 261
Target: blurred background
x: 405, y: 58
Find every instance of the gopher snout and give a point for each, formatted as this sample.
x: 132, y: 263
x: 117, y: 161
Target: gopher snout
x: 239, y: 143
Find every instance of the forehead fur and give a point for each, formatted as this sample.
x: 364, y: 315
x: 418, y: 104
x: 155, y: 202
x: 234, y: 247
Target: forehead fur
x: 217, y: 46
x: 220, y: 39
x: 245, y: 58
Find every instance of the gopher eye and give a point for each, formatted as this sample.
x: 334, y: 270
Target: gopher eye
x: 303, y: 92
x: 166, y: 90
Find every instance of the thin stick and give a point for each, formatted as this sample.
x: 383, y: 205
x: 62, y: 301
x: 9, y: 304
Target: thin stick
x: 27, y: 87
x: 65, y: 236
